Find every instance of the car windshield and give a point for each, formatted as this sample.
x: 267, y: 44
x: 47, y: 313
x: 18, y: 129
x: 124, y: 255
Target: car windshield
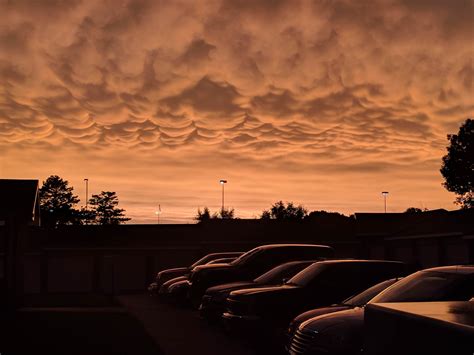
x: 277, y: 274
x: 246, y: 256
x: 423, y: 286
x: 204, y: 260
x: 305, y: 276
x: 365, y: 296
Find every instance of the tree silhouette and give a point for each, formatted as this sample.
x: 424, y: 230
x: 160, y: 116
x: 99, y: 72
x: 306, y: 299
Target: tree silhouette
x: 325, y: 215
x: 87, y: 216
x: 104, y: 209
x: 226, y: 213
x: 458, y: 165
x: 57, y: 203
x: 414, y: 210
x: 282, y: 212
x: 203, y: 215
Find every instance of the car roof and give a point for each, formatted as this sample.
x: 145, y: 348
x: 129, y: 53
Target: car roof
x: 225, y: 253
x: 296, y: 262
x: 453, y: 269
x: 271, y: 246
x: 341, y: 261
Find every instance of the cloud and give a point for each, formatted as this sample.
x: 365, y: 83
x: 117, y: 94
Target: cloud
x: 285, y: 89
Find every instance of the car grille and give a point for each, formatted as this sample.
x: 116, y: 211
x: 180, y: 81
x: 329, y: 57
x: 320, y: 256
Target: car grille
x: 301, y: 341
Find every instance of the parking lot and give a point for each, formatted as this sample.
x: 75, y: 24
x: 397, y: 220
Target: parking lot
x: 180, y: 330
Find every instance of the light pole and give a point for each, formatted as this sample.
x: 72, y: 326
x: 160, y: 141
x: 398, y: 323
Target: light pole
x: 87, y: 191
x: 222, y: 182
x: 158, y: 212
x: 385, y: 193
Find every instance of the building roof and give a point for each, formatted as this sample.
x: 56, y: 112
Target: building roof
x: 388, y: 224
x: 19, y: 199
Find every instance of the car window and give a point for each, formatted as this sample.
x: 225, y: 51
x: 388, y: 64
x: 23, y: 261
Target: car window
x: 428, y: 286
x: 246, y: 257
x: 305, y: 276
x: 277, y: 274
x: 365, y: 296
x: 202, y: 261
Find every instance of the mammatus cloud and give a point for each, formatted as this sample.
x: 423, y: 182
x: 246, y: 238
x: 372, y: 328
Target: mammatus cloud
x: 322, y: 102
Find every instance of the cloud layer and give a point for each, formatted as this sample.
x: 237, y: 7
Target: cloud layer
x: 322, y: 100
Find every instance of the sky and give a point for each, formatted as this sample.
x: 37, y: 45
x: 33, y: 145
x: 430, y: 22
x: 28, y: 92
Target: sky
x: 323, y: 103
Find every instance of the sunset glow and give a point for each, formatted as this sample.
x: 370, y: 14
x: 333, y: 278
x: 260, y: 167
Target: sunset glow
x: 324, y: 103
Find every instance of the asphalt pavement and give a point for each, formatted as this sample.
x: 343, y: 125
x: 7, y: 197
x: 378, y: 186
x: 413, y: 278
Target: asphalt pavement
x: 180, y: 331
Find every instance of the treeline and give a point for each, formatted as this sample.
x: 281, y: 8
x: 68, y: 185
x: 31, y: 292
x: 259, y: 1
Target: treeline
x: 58, y: 206
x: 280, y: 211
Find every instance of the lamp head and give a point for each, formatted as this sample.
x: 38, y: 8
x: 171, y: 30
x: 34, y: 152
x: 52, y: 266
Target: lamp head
x: 222, y: 182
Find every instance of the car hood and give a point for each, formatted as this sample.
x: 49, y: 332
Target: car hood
x: 228, y: 287
x: 173, y: 280
x: 303, y: 317
x: 349, y: 319
x: 175, y: 270
x: 212, y: 267
x: 179, y: 284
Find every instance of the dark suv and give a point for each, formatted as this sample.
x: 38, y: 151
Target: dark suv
x: 343, y: 332
x: 168, y: 274
x: 213, y: 301
x: 252, y: 264
x: 320, y: 284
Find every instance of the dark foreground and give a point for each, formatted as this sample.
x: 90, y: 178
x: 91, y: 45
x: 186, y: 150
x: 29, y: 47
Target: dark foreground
x: 139, y: 325
x: 75, y: 331
x: 180, y: 331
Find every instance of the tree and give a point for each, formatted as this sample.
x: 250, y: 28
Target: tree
x: 288, y: 212
x: 203, y: 215
x: 87, y: 216
x: 458, y: 165
x: 57, y: 202
x: 104, y: 209
x: 226, y: 213
x: 413, y: 210
x: 316, y: 216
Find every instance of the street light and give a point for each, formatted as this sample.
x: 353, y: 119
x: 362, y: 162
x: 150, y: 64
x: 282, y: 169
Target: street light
x: 87, y: 191
x: 158, y: 212
x: 222, y: 182
x: 385, y: 193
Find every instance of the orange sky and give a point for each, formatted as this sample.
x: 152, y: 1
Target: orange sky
x: 324, y: 103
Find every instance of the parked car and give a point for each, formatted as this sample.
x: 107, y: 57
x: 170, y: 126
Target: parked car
x: 222, y: 261
x: 165, y: 275
x: 358, y: 300
x: 320, y: 284
x: 213, y: 302
x: 251, y: 264
x: 182, y: 282
x: 177, y: 289
x: 342, y: 332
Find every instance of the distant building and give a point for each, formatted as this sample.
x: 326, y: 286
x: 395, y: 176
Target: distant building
x: 19, y: 201
x: 427, y: 239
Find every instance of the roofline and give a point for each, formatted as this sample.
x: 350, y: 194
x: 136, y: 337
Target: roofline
x: 359, y: 261
x: 294, y: 245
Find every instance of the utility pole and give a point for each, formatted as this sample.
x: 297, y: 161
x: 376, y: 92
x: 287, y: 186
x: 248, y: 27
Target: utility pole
x: 385, y: 193
x: 87, y: 192
x: 222, y: 182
